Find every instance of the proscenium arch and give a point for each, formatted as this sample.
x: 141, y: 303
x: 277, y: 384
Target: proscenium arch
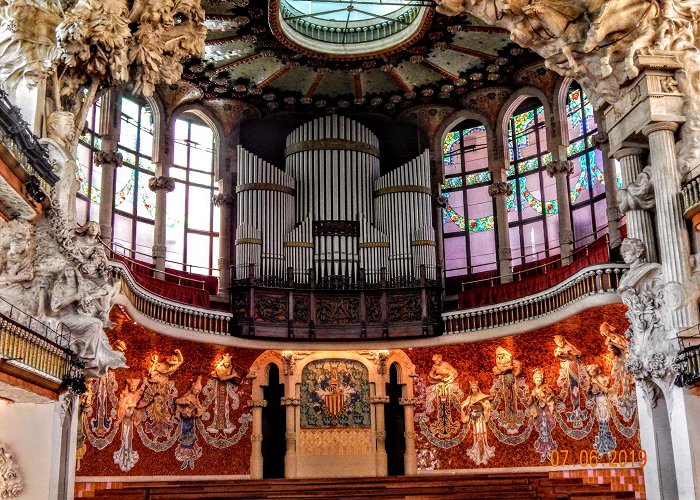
x: 207, y: 117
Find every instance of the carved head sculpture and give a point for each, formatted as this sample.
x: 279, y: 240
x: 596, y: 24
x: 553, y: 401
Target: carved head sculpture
x: 225, y: 360
x: 538, y: 376
x: 559, y: 340
x: 593, y: 369
x: 504, y: 359
x: 196, y: 386
x: 474, y: 386
x: 19, y: 243
x: 90, y: 229
x: 61, y: 127
x: 437, y: 359
x: 133, y: 384
x: 633, y: 251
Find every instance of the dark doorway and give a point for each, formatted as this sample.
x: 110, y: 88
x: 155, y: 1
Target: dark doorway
x: 273, y: 426
x: 394, y: 422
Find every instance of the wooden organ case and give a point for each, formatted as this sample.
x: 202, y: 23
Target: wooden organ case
x: 328, y: 248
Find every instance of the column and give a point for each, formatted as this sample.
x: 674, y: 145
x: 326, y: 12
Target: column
x: 499, y: 190
x: 640, y: 224
x: 109, y: 159
x: 380, y: 454
x: 600, y: 140
x: 290, y: 435
x: 225, y: 201
x: 437, y: 217
x: 256, y: 437
x: 410, y: 465
x: 561, y: 170
x: 161, y: 185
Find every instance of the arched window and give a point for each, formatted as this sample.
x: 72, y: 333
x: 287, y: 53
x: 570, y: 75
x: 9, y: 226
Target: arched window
x: 586, y: 184
x: 532, y: 208
x: 192, y: 221
x: 134, y: 202
x: 88, y: 173
x: 467, y: 218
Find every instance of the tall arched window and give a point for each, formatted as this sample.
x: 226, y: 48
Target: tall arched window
x: 192, y: 220
x: 586, y: 184
x: 467, y: 217
x: 134, y: 202
x: 88, y: 173
x: 533, y: 208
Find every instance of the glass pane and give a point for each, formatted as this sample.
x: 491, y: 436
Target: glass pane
x: 95, y: 211
x: 199, y: 178
x: 530, y: 196
x: 199, y: 208
x: 96, y: 182
x: 601, y: 217
x: 595, y: 162
x: 124, y: 189
x: 534, y: 237
x: 144, y: 241
x: 552, y: 222
x: 122, y: 231
x: 202, y: 136
x: 128, y: 135
x: 130, y: 109
x: 201, y: 159
x: 215, y: 256
x: 181, y: 130
x: 475, y: 151
x: 455, y: 256
x: 452, y: 159
x: 175, y: 224
x: 483, y: 251
x: 81, y: 206
x: 515, y: 250
x: 146, y: 198
x: 583, y: 225
x: 180, y: 154
x: 146, y: 143
x: 198, y: 251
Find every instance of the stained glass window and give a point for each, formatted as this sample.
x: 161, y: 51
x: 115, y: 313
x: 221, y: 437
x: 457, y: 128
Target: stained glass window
x: 192, y: 221
x: 88, y: 173
x: 468, y: 215
x: 532, y: 208
x: 586, y: 183
x: 134, y: 202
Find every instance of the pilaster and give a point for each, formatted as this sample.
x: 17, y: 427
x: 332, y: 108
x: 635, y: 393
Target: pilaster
x: 290, y: 435
x: 380, y: 433
x: 256, y: 437
x: 410, y: 462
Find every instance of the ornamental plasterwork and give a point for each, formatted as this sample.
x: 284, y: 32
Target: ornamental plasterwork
x: 638, y: 194
x: 11, y: 484
x: 378, y: 359
x: 290, y: 359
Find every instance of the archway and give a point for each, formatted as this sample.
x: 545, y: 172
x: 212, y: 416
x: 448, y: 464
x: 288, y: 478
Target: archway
x: 273, y: 425
x: 394, y: 423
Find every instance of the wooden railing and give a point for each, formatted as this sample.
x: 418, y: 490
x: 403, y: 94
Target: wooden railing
x: 169, y: 312
x: 30, y: 343
x: 595, y: 279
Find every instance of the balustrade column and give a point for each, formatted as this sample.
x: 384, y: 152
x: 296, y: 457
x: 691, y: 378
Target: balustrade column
x: 256, y: 437
x: 290, y: 435
x: 561, y: 170
x: 500, y: 190
x: 108, y: 158
x: 640, y: 224
x: 409, y: 459
x: 674, y: 247
x: 600, y: 140
x: 380, y: 455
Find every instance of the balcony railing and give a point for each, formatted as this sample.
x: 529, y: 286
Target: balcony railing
x: 595, y: 279
x: 29, y: 343
x: 687, y: 362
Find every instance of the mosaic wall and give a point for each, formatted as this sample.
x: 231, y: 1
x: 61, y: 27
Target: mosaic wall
x: 555, y: 396
x: 334, y: 393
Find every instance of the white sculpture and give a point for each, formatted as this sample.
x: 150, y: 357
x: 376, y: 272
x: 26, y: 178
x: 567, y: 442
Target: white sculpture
x: 11, y: 484
x: 16, y: 265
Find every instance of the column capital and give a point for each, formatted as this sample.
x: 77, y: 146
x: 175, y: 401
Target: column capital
x: 257, y: 403
x: 408, y: 401
x: 500, y: 189
x: 625, y: 152
x: 556, y: 167
x: 655, y: 127
x: 288, y: 401
x: 379, y: 400
x: 222, y: 199
x: 161, y: 183
x: 600, y: 139
x: 109, y: 158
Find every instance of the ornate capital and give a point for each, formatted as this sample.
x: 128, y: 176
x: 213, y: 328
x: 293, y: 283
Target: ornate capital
x: 600, y: 139
x: 290, y: 401
x: 11, y: 484
x: 564, y: 167
x: 500, y: 189
x: 223, y: 199
x: 408, y: 401
x: 109, y: 158
x: 379, y: 400
x: 257, y: 403
x: 161, y: 183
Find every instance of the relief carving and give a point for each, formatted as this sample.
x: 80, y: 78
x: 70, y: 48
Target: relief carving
x: 639, y: 194
x: 405, y: 307
x: 11, y: 484
x: 338, y: 310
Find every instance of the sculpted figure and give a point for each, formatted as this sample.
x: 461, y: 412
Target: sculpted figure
x: 633, y: 253
x: 542, y: 401
x: 129, y: 415
x: 598, y: 390
x: 508, y: 370
x: 224, y: 370
x: 639, y: 194
x: 571, y: 379
x: 72, y: 303
x: 441, y: 372
x: 225, y: 381
x: 622, y: 390
x: 160, y: 393
x: 60, y: 127
x: 446, y: 394
x: 159, y: 372
x: 476, y: 412
x: 16, y: 273
x: 188, y: 410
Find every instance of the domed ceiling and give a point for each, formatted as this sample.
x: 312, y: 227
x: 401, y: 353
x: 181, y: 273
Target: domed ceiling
x: 329, y: 55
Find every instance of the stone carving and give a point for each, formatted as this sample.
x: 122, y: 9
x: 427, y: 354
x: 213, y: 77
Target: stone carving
x: 598, y: 389
x: 639, y: 194
x: 500, y: 189
x: 129, y: 416
x: 340, y: 310
x: 564, y: 167
x: 17, y: 253
x: 649, y: 303
x: 189, y: 409
x: 222, y: 199
x: 444, y: 395
x: 509, y: 388
x: 271, y: 308
x: 476, y: 412
x: 223, y: 386
x: 572, y: 379
x: 542, y: 402
x: 11, y: 484
x: 161, y: 183
x: 109, y: 158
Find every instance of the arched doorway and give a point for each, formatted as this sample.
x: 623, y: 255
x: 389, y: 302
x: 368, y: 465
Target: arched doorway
x: 394, y: 422
x: 273, y: 425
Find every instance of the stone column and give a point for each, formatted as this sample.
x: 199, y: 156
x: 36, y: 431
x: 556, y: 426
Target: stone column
x: 600, y: 140
x: 380, y: 455
x: 290, y: 435
x: 561, y: 170
x: 109, y: 159
x: 410, y: 465
x: 225, y: 201
x: 640, y: 224
x: 256, y: 437
x: 500, y: 190
x: 161, y: 184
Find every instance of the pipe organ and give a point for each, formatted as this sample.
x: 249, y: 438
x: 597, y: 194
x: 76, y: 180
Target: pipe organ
x: 329, y: 216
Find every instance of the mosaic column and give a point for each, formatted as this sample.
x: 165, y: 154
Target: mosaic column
x: 600, y: 140
x: 290, y: 435
x: 500, y: 190
x: 639, y: 222
x: 256, y: 437
x: 109, y: 159
x: 410, y: 465
x: 674, y: 247
x: 561, y: 170
x: 381, y: 458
